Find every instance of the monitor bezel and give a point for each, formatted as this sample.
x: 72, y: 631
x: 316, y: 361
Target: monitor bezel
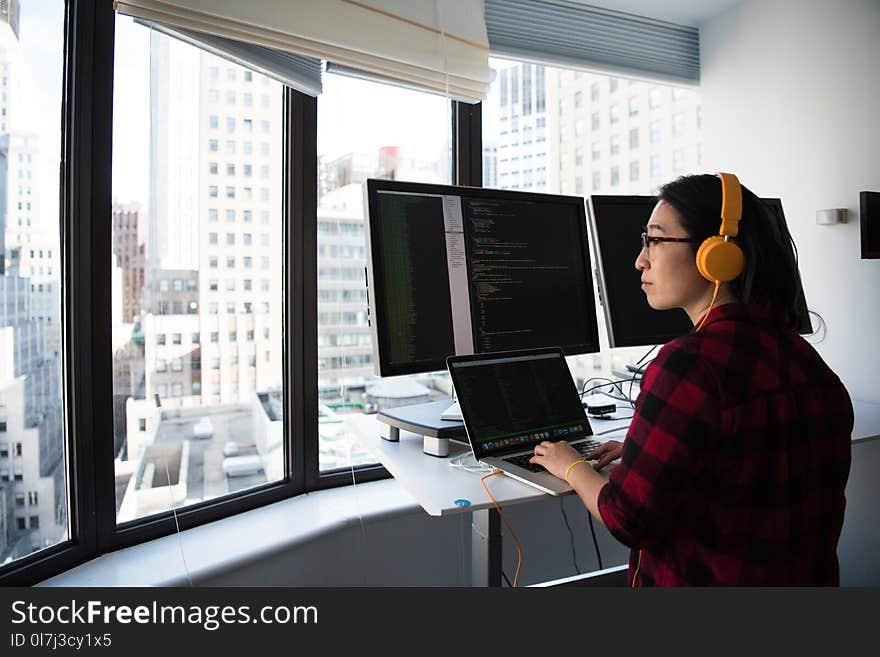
x: 869, y: 227
x: 604, y: 299
x: 372, y: 187
x: 453, y: 361
x: 606, y: 302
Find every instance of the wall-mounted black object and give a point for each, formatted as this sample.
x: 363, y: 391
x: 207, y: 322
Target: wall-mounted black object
x: 869, y: 213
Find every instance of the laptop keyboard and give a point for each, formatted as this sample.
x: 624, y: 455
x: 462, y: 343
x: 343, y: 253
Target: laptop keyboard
x: 522, y: 460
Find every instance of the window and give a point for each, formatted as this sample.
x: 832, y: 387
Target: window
x: 594, y: 121
x: 677, y: 160
x: 633, y: 138
x: 633, y: 105
x: 614, y: 114
x: 655, y: 166
x: 202, y: 250
x: 596, y: 153
x: 429, y: 142
x: 634, y: 171
x: 678, y: 124
x: 655, y: 134
x: 615, y: 176
x: 614, y: 145
x: 655, y: 98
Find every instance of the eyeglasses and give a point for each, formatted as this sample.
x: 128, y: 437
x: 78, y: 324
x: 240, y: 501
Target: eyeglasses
x: 650, y: 240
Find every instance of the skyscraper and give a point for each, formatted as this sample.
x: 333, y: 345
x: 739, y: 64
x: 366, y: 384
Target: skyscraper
x: 214, y: 224
x: 32, y: 487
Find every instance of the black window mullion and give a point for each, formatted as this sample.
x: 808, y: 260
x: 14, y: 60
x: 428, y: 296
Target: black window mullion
x: 91, y: 232
x: 302, y: 279
x: 467, y: 143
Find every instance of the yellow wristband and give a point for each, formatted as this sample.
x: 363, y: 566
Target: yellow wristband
x: 570, y: 467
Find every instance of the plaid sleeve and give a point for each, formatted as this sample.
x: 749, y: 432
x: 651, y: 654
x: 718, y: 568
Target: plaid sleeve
x: 673, y: 421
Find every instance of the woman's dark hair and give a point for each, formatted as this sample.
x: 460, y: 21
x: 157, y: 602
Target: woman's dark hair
x: 771, y: 276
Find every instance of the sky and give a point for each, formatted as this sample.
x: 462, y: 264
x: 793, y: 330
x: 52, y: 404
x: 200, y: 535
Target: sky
x: 41, y: 37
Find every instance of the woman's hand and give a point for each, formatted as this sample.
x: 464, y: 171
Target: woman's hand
x: 555, y: 457
x: 605, y: 453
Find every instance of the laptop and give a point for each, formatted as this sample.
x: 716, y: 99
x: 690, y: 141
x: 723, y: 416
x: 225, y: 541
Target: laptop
x: 511, y: 401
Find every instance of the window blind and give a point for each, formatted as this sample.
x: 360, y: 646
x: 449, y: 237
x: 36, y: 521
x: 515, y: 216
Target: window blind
x: 575, y: 35
x: 300, y: 73
x: 433, y: 45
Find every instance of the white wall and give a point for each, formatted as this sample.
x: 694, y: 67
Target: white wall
x: 791, y: 92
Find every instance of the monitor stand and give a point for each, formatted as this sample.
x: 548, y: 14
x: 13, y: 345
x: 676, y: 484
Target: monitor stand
x: 426, y: 421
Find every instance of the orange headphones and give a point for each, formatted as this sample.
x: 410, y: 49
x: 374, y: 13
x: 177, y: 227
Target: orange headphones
x: 718, y: 259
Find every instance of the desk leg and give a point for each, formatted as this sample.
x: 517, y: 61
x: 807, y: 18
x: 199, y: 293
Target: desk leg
x: 486, y: 548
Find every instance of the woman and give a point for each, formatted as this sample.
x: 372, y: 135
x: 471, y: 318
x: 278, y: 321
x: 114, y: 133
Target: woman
x: 734, y: 466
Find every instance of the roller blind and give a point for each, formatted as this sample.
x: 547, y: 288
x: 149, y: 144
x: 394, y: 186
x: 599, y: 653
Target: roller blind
x: 300, y: 73
x: 575, y: 35
x: 434, y: 45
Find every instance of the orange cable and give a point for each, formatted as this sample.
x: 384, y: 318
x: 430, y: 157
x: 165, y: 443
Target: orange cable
x: 636, y: 573
x: 714, y: 297
x: 504, y: 520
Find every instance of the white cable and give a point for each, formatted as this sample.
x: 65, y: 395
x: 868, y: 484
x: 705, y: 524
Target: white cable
x: 174, y: 512
x: 476, y: 467
x: 357, y: 505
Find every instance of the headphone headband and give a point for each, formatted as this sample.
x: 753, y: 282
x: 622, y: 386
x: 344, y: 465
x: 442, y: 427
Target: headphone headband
x: 731, y: 204
x: 718, y: 259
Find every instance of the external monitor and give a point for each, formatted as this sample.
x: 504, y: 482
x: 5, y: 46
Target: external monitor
x: 466, y: 270
x: 869, y: 220
x: 616, y: 223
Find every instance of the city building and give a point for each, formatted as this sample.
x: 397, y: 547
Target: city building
x: 516, y: 150
x: 618, y: 136
x: 129, y: 250
x: 33, y: 502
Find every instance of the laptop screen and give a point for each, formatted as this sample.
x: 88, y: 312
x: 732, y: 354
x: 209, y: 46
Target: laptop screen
x: 511, y: 401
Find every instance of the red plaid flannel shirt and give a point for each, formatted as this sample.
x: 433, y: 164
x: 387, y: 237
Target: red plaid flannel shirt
x: 734, y: 466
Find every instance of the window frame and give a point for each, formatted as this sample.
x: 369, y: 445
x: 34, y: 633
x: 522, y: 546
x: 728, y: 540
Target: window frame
x: 85, y: 192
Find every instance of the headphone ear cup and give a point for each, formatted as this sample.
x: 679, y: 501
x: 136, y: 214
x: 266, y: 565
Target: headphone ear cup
x: 718, y: 260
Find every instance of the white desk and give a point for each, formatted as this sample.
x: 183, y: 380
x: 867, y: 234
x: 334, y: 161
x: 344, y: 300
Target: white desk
x: 442, y: 490
x: 867, y: 424
x: 436, y: 486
